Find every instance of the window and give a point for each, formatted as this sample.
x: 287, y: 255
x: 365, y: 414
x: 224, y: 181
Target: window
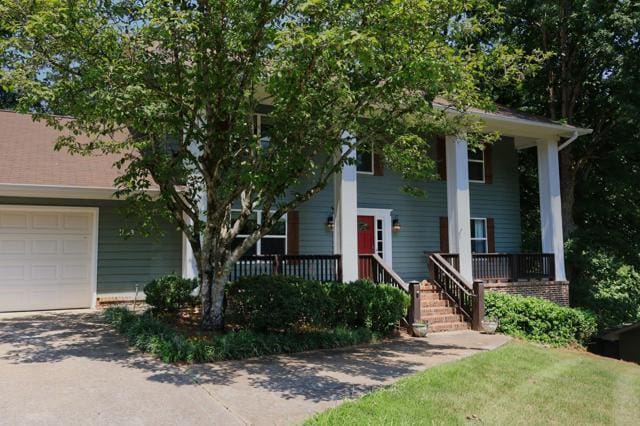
x: 479, y: 241
x: 273, y: 243
x: 364, y: 159
x: 476, y: 166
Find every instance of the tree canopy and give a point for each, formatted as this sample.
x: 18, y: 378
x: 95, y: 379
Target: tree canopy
x: 174, y: 86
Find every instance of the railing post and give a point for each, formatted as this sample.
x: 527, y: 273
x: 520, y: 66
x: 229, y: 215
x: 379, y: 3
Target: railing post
x: 276, y: 265
x: 514, y: 267
x: 432, y: 269
x: 478, y: 305
x: 414, y: 309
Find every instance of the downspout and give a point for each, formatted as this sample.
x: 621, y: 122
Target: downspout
x: 569, y: 141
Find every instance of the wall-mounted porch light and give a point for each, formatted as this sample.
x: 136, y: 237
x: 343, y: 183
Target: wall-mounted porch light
x: 330, y: 222
x: 395, y: 224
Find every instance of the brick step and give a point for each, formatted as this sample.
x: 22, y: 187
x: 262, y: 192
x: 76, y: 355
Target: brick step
x: 454, y: 326
x: 438, y: 310
x: 448, y: 318
x: 433, y: 295
x: 434, y: 303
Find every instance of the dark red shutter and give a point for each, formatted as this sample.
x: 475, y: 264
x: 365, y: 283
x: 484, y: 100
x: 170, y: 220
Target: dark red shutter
x: 441, y: 157
x: 491, y: 235
x: 488, y: 164
x: 378, y: 165
x: 444, y: 235
x: 293, y: 233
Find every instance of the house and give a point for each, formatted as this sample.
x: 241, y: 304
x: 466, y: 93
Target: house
x: 61, y: 248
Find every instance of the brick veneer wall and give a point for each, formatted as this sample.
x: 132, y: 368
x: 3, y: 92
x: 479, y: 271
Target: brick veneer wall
x: 555, y: 291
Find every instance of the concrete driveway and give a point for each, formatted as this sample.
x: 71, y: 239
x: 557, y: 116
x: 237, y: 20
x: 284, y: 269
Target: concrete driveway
x: 70, y: 368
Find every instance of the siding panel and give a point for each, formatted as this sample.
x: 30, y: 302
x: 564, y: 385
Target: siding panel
x: 122, y: 263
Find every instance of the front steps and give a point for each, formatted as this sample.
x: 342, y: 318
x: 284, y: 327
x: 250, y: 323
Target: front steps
x: 441, y: 313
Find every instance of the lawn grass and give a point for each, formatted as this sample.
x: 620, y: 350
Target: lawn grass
x: 519, y: 383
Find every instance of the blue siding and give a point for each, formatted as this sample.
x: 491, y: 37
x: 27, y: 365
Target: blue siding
x: 122, y: 263
x: 420, y: 216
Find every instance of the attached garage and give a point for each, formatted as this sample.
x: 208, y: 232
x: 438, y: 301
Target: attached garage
x: 48, y: 257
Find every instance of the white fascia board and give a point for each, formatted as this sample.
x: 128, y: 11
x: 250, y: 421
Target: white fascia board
x: 514, y: 126
x: 58, y: 191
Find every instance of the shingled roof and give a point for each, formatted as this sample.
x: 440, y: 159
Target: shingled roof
x: 27, y: 157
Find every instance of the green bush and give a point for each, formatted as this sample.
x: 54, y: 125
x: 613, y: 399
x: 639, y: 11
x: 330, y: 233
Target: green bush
x: 170, y: 293
x: 607, y: 286
x: 289, y: 303
x: 151, y: 335
x: 539, y: 320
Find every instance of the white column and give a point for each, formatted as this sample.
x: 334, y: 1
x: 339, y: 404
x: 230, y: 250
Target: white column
x: 550, y: 204
x: 189, y: 268
x: 346, y: 218
x: 458, y: 205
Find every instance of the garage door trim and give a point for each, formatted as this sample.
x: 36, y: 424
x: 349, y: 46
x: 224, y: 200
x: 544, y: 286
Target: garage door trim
x: 93, y: 211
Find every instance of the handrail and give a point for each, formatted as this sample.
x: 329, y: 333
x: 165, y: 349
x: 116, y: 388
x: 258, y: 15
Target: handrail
x: 454, y: 285
x: 382, y: 273
x: 508, y: 266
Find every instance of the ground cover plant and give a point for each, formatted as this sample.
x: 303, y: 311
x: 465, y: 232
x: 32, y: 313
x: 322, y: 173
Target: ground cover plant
x: 540, y: 320
x: 158, y: 338
x: 520, y: 383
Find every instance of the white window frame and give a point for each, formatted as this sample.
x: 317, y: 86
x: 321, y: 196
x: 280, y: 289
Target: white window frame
x: 473, y: 160
x: 259, y: 242
x: 387, y: 246
x: 373, y: 164
x: 486, y: 234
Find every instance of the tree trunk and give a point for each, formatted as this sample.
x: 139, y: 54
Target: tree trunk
x: 567, y: 190
x: 213, y: 281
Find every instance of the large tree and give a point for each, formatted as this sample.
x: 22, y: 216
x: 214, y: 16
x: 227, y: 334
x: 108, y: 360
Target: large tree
x: 174, y: 85
x: 590, y: 79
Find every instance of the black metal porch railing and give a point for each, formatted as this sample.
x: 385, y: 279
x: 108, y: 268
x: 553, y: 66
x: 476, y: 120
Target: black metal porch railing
x: 311, y: 267
x: 508, y: 266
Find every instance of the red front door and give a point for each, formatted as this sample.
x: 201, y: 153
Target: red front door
x: 366, y: 244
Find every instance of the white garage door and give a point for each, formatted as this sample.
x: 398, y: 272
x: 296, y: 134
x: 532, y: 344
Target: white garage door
x: 46, y: 258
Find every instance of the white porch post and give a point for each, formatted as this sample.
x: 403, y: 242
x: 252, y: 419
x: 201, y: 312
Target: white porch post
x: 189, y: 268
x: 346, y: 218
x: 458, y: 205
x: 550, y: 206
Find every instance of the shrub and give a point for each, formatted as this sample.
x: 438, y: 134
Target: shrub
x: 607, y: 286
x: 539, y: 320
x: 286, y: 303
x: 274, y: 302
x: 151, y: 335
x: 170, y: 293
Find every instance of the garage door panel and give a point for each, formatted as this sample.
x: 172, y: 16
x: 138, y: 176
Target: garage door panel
x: 11, y: 221
x: 10, y: 272
x: 46, y: 259
x: 13, y: 246
x: 48, y: 246
x: 77, y: 222
x: 45, y: 221
x: 75, y: 247
x: 45, y: 272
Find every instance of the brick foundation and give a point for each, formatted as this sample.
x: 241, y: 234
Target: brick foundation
x: 555, y: 291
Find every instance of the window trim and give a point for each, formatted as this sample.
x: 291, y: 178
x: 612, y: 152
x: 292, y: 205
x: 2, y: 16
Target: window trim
x: 258, y: 245
x: 373, y: 165
x: 486, y: 235
x: 484, y: 167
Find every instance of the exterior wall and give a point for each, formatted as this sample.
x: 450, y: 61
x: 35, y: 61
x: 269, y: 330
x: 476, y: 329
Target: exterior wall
x: 122, y: 263
x: 420, y: 217
x: 555, y: 291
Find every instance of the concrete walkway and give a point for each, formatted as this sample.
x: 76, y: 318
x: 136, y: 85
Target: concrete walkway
x: 69, y: 368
